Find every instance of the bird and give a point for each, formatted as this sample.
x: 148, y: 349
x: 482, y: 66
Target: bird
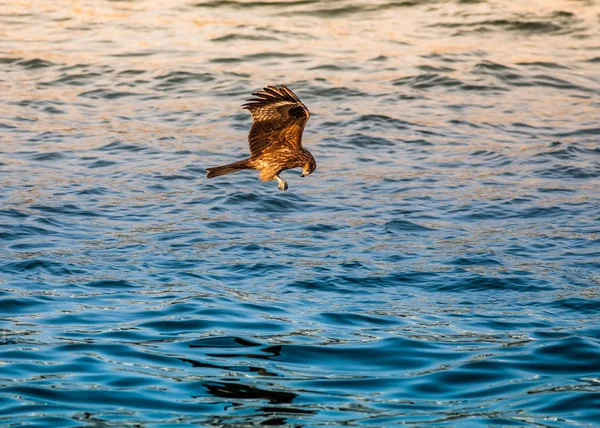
x: 275, y: 138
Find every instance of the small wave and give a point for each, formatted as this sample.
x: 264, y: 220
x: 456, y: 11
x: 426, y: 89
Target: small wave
x: 110, y: 284
x: 515, y: 25
x: 253, y: 4
x: 566, y: 171
x: 9, y: 60
x: 432, y: 80
x: 368, y: 141
x: 132, y: 54
x: 117, y: 146
x: 182, y: 77
x: 335, y: 67
x: 543, y: 64
x: 66, y: 209
x: 32, y: 265
x: 77, y: 79
x: 107, y: 94
x: 258, y: 57
x: 33, y: 64
x: 580, y: 133
x: 101, y: 163
x: 44, y: 157
x: 401, y: 226
x: 223, y: 342
x: 243, y: 37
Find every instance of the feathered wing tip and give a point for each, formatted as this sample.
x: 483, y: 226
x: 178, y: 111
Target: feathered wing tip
x: 270, y: 94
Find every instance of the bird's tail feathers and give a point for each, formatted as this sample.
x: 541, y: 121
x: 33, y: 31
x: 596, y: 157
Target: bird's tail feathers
x: 227, y: 169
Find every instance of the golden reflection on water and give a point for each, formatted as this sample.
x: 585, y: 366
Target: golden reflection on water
x: 160, y: 37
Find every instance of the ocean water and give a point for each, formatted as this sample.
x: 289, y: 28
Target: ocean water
x: 440, y: 268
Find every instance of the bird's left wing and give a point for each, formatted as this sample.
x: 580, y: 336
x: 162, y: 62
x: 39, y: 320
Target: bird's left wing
x: 278, y: 118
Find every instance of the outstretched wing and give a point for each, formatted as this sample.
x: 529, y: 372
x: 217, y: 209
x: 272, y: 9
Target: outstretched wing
x: 278, y: 118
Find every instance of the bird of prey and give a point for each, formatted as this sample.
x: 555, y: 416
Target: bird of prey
x: 278, y: 119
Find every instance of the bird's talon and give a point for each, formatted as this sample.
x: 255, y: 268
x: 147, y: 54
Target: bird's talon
x: 283, y: 186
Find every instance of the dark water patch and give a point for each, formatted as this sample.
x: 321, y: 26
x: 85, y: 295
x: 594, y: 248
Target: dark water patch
x: 101, y: 164
x: 109, y: 284
x: 107, y: 94
x: 132, y: 72
x: 433, y: 80
x: 173, y: 177
x: 22, y: 231
x: 554, y: 82
x: 580, y: 133
x: 52, y: 110
x: 475, y: 260
x: 226, y: 60
x: 372, y: 355
x: 427, y: 80
x: 543, y: 64
x: 366, y: 141
x: 351, y: 319
x: 419, y: 142
x: 132, y: 54
x: 103, y: 401
x: 337, y: 92
x: 117, y: 146
x: 243, y: 37
x: 563, y: 171
x: 577, y: 304
x: 435, y: 69
x: 66, y: 209
x: 573, y: 356
x: 223, y: 342
x: 48, y: 157
x: 347, y: 284
x: 180, y: 78
x: 37, y: 265
x: 253, y: 4
x: 78, y: 79
x: 330, y: 12
x: 323, y: 228
x: 379, y: 58
x: 490, y: 67
x: 8, y: 60
x: 335, y: 12
x: 25, y: 305
x: 514, y: 25
x: 480, y: 283
x: 402, y: 226
x: 375, y: 121
x: 273, y: 55
x: 555, y: 190
x: 334, y: 67
x: 36, y: 63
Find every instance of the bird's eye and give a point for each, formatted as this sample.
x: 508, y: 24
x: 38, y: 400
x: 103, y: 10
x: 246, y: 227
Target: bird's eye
x: 297, y: 112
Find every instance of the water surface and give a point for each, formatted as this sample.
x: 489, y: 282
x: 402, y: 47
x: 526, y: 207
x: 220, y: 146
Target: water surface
x: 440, y: 268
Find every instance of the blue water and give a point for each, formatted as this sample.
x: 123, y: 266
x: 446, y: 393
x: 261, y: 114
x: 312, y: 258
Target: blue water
x: 440, y: 268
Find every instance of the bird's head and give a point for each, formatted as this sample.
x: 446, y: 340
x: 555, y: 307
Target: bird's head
x: 309, y: 167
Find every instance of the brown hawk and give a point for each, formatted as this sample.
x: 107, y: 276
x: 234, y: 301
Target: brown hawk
x: 278, y: 119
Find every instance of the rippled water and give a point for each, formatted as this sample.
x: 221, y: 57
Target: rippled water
x: 441, y: 267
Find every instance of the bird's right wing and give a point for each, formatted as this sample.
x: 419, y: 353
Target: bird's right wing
x: 278, y: 118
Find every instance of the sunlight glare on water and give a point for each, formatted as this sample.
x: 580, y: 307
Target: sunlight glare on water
x: 440, y: 268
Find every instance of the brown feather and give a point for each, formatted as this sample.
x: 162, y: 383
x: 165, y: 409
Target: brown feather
x: 278, y: 119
